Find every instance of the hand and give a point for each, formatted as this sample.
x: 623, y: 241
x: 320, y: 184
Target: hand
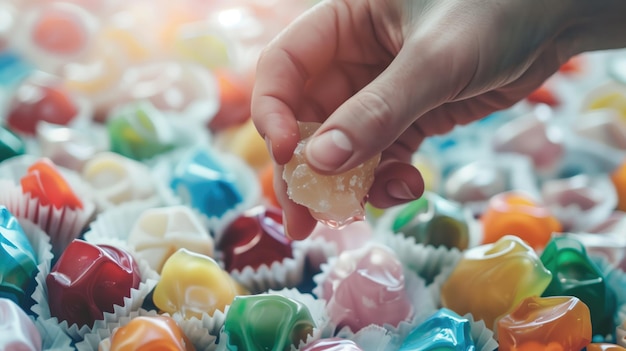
x: 382, y: 75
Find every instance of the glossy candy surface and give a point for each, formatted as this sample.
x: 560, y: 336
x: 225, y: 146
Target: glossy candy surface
x: 44, y: 182
x: 334, y: 200
x: 139, y: 131
x: 89, y: 280
x: 69, y: 147
x: 147, y: 333
x: 604, y: 347
x: 255, y: 238
x: 562, y: 320
x: 574, y: 274
x: 19, y: 262
x: 364, y: 282
x: 205, y: 184
x: 513, y: 213
x: 160, y: 232
x: 433, y: 220
x: 492, y: 279
x: 193, y: 284
x: 267, y: 322
x: 332, y: 344
x: 444, y: 330
x: 17, y: 330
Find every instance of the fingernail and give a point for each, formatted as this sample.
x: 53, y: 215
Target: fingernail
x: 329, y: 151
x: 268, y: 142
x: 400, y: 190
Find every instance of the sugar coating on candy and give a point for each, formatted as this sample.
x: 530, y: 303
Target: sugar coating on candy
x: 335, y: 200
x: 146, y: 333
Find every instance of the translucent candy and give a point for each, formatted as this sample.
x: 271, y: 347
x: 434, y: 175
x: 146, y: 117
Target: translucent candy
x: 335, y: 200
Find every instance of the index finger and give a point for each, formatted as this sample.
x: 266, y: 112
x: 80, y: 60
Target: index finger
x: 300, y: 52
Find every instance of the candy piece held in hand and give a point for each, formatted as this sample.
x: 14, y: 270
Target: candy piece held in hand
x: 19, y: 263
x: 140, y: 131
x: 44, y: 182
x: 17, y: 330
x: 203, y: 182
x: 332, y: 344
x: 267, y: 322
x: 255, y: 238
x: 145, y: 333
x: 160, y: 232
x: 517, y: 213
x: 433, y: 220
x: 492, y: 279
x: 444, y: 330
x: 335, y: 200
x: 194, y: 284
x: 364, y: 282
x: 574, y: 274
x: 89, y: 280
x: 564, y: 321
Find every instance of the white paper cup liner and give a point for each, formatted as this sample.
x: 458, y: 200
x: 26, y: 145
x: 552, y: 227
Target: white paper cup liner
x: 287, y: 273
x: 315, y: 307
x: 484, y: 339
x: 246, y: 183
x: 317, y: 250
x: 62, y: 225
x: 134, y: 302
x: 371, y: 338
x: 193, y: 329
x: 40, y: 243
x: 115, y: 223
x: 203, y: 332
x: 52, y: 336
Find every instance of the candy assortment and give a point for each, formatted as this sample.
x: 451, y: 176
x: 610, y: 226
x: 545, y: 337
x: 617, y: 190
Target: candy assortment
x: 137, y: 208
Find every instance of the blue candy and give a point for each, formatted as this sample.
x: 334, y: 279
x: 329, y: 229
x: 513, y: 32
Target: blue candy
x: 205, y: 185
x: 444, y: 330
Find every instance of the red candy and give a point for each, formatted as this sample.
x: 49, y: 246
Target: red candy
x: 44, y: 182
x: 89, y: 280
x: 254, y: 239
x: 543, y: 95
x: 40, y: 101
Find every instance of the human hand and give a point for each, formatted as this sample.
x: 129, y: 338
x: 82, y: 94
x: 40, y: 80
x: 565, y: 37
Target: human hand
x: 383, y: 75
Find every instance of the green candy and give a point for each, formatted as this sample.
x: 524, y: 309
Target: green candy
x: 433, y: 220
x: 574, y: 274
x: 139, y: 131
x: 266, y: 322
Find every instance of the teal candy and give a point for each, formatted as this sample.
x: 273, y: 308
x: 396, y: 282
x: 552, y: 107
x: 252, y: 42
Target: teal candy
x: 139, y: 131
x: 266, y: 322
x: 574, y: 274
x: 10, y: 144
x: 433, y: 220
x: 19, y: 263
x: 443, y: 331
x: 203, y: 183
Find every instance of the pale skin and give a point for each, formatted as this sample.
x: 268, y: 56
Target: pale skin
x: 382, y: 75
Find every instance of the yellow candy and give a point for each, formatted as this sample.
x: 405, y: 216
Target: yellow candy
x: 193, y: 284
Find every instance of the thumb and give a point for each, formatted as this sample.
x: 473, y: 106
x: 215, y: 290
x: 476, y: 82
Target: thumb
x: 375, y: 117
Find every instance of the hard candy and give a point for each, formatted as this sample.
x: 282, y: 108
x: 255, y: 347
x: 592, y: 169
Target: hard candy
x: 145, y: 333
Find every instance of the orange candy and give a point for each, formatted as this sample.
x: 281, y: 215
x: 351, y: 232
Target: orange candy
x: 560, y: 323
x: 266, y: 177
x: 148, y: 333
x: 618, y: 177
x: 514, y: 213
x: 44, y: 182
